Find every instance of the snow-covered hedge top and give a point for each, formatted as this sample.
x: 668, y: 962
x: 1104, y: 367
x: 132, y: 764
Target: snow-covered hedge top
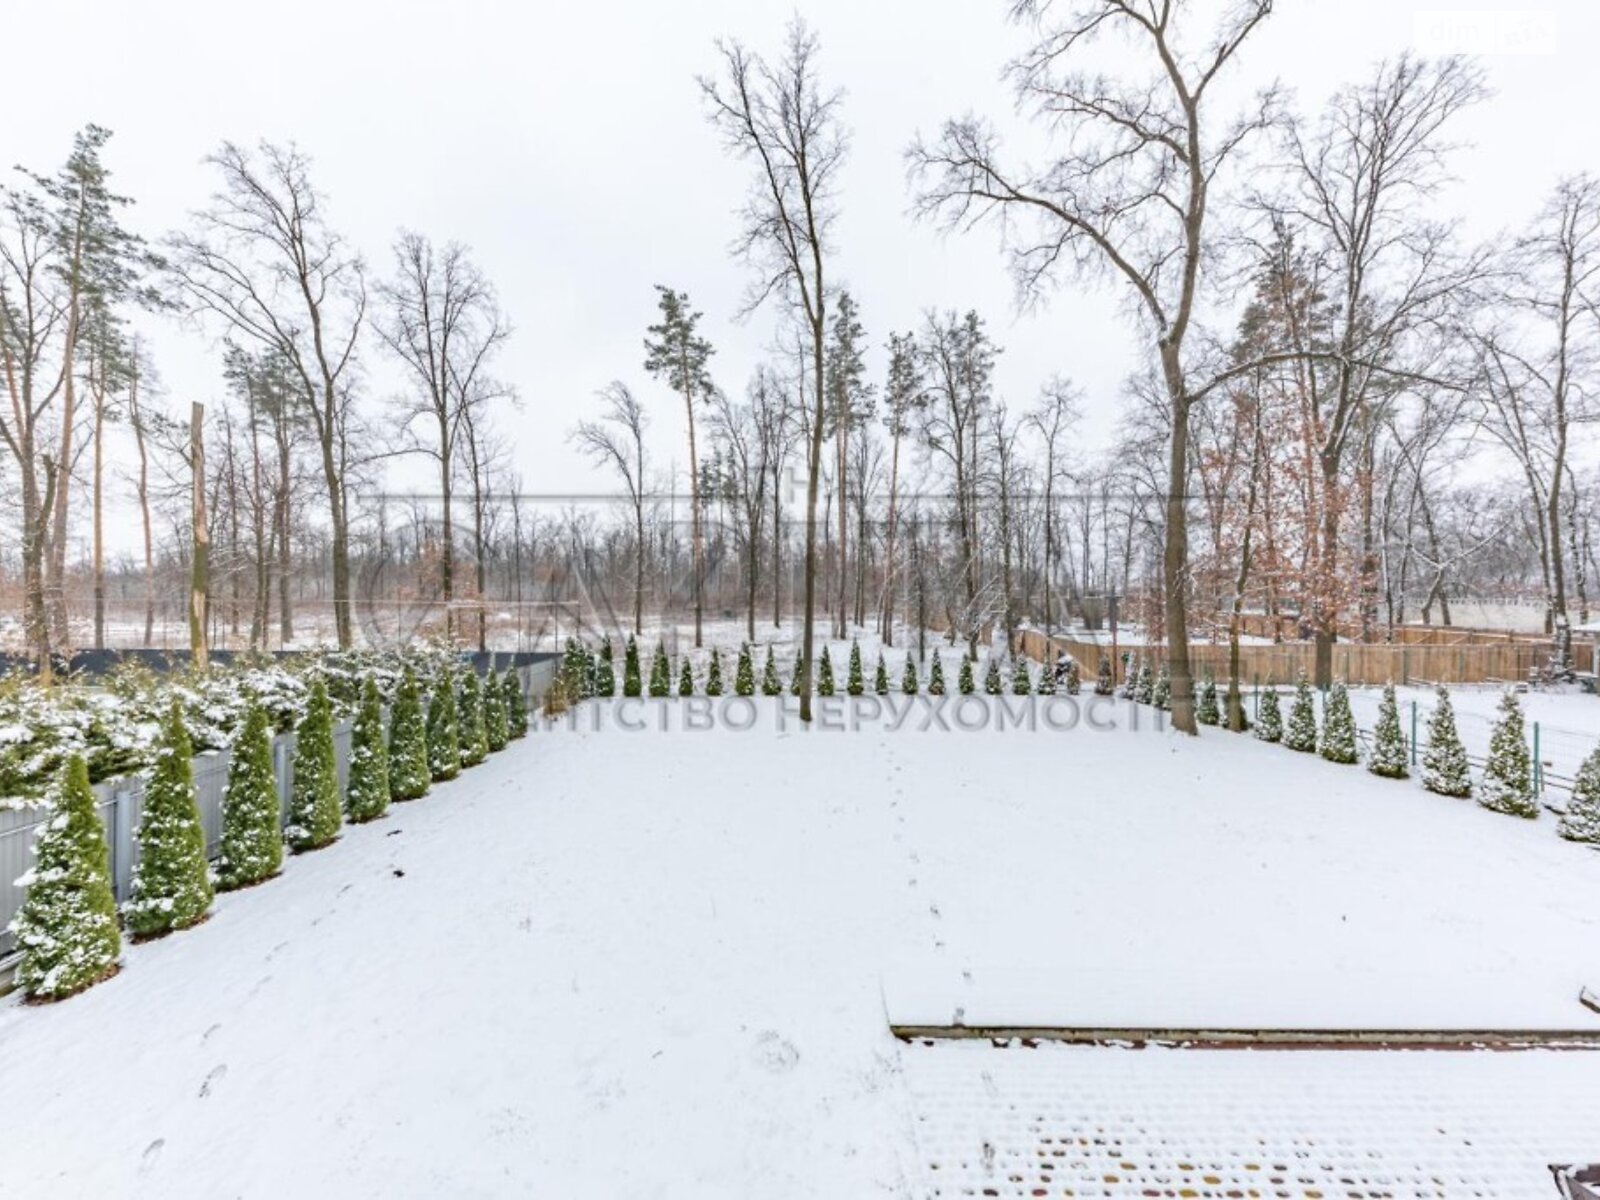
x: 113, y: 721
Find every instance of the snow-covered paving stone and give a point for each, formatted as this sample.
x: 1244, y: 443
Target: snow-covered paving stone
x: 617, y: 964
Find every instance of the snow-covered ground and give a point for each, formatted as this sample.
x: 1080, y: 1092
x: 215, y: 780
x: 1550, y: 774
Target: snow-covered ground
x: 617, y: 963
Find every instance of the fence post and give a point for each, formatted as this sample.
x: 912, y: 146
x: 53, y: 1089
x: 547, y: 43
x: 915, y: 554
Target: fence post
x: 1538, y: 766
x: 1257, y: 682
x: 1413, y: 733
x: 1405, y: 677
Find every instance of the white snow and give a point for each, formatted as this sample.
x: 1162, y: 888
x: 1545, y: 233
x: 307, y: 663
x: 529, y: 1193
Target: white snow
x: 614, y: 964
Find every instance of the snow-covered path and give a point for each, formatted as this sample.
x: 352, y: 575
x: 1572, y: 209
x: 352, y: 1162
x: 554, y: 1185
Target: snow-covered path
x: 611, y: 964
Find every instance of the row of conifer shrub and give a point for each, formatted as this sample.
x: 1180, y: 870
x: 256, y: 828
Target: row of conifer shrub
x: 1506, y: 784
x: 68, y: 929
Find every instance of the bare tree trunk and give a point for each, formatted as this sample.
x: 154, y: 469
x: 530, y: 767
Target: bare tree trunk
x: 200, y: 565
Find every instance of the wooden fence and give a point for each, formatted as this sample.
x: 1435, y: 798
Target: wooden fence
x: 1354, y: 662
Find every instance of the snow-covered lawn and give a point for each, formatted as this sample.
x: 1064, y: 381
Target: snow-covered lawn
x: 618, y: 964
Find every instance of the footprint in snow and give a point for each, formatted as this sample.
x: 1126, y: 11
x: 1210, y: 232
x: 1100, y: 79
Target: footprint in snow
x: 210, y: 1033
x: 218, y: 1073
x: 151, y: 1155
x: 775, y: 1052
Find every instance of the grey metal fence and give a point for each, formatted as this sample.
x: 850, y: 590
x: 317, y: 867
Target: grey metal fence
x: 122, y: 800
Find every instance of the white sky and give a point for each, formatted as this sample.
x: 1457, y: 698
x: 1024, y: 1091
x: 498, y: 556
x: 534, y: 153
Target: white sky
x: 567, y: 145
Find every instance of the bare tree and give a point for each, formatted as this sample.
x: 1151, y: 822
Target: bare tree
x: 1128, y: 196
x: 442, y: 321
x: 778, y: 117
x: 617, y: 440
x: 1055, y: 414
x: 263, y: 260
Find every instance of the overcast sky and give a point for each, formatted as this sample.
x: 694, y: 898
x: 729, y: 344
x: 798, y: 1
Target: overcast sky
x: 567, y: 145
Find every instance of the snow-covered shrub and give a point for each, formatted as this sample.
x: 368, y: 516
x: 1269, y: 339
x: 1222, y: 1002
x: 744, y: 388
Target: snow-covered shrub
x: 1075, y: 678
x: 1103, y: 683
x: 444, y: 728
x: 825, y: 675
x: 714, y: 674
x: 855, y: 684
x: 991, y: 678
x: 1269, y: 717
x: 935, y: 675
x: 686, y: 677
x: 1581, y: 821
x: 252, y: 828
x: 1205, y: 708
x: 605, y: 679
x: 66, y: 928
x: 1145, y: 690
x: 1390, y: 755
x: 880, y: 677
x: 1301, y: 731
x: 496, y: 721
x: 469, y: 711
x: 964, y: 681
x: 632, y: 684
x: 516, y: 704
x: 910, y: 683
x: 408, y: 743
x: 314, y: 812
x: 1021, y: 681
x: 1161, y: 691
x: 1444, y: 762
x: 660, y: 673
x: 366, y: 793
x: 1508, y: 775
x: 744, y: 675
x: 1047, y: 680
x: 172, y: 882
x: 1338, y: 741
x: 771, y: 685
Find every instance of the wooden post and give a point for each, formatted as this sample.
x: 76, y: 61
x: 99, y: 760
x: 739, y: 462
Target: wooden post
x: 199, y: 585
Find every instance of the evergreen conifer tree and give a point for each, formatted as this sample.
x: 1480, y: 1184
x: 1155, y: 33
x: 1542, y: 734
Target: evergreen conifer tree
x: 909, y: 681
x: 1145, y: 689
x: 605, y: 680
x: 686, y: 677
x: 794, y: 677
x: 469, y: 713
x: 1445, y: 770
x: 1074, y: 677
x: 1508, y: 775
x: 1103, y: 685
x: 770, y: 684
x: 744, y: 676
x: 1130, y: 678
x: 714, y: 674
x: 314, y: 813
x: 1581, y: 821
x: 825, y: 674
x: 66, y: 929
x: 516, y: 704
x: 1338, y: 740
x: 1389, y: 756
x: 409, y: 775
x: 1021, y: 682
x: 444, y: 729
x: 855, y: 685
x: 1301, y: 731
x: 880, y: 677
x: 1161, y: 691
x: 1205, y: 709
x: 991, y: 677
x: 935, y: 675
x: 660, y: 672
x: 964, y: 682
x: 366, y: 792
x: 632, y: 683
x: 172, y: 883
x: 252, y: 826
x: 496, y: 720
x: 591, y: 674
x: 1047, y: 679
x: 1269, y: 721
